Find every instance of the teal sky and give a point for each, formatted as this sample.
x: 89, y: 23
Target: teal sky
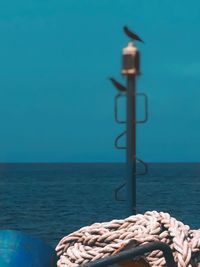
x: 56, y: 104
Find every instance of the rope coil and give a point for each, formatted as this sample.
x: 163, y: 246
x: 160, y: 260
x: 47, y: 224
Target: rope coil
x: 103, y: 239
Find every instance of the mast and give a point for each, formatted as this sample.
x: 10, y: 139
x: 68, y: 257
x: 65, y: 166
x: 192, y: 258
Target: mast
x: 130, y: 53
x: 130, y: 69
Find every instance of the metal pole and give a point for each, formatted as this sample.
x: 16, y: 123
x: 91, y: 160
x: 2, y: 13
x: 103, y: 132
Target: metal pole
x: 130, y: 69
x: 131, y: 145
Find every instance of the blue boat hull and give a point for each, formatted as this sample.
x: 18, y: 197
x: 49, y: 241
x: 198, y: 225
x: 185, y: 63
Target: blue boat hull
x: 21, y: 250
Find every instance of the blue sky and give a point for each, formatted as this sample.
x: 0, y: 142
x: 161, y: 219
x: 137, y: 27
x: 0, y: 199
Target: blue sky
x: 56, y: 103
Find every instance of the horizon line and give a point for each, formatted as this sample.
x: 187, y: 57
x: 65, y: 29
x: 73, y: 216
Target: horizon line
x: 98, y: 162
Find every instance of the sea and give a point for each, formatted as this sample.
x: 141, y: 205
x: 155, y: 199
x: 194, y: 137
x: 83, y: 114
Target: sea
x: 50, y: 201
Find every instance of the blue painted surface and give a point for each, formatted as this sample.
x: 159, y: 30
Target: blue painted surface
x: 19, y: 249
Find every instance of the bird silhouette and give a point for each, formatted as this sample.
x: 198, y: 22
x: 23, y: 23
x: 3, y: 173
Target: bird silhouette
x: 132, y: 35
x: 118, y: 85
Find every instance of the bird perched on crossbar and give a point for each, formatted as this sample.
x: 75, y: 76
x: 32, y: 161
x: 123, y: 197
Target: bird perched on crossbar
x: 132, y: 35
x: 118, y: 85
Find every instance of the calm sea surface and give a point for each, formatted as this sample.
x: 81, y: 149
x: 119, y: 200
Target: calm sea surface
x: 52, y: 200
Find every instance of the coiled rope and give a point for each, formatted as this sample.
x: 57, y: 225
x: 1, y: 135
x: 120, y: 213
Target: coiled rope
x: 103, y: 239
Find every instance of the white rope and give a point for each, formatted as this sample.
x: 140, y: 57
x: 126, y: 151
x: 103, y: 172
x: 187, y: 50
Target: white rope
x: 103, y: 239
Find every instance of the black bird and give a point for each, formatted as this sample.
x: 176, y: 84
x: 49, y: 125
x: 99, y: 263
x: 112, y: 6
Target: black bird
x: 118, y: 85
x: 132, y: 35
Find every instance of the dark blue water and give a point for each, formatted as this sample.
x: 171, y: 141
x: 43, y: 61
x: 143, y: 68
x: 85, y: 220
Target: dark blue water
x: 52, y: 200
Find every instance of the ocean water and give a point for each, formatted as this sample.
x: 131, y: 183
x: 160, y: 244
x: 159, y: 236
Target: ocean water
x: 52, y: 200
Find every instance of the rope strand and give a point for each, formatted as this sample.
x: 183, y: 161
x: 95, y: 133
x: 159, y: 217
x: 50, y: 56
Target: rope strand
x: 103, y: 239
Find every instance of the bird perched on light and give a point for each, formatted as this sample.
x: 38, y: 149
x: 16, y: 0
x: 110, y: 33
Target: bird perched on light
x: 136, y: 262
x: 132, y: 35
x: 118, y: 85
